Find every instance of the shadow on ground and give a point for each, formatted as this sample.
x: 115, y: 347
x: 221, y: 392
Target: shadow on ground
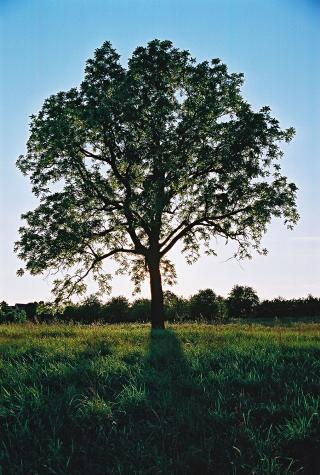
x: 127, y: 407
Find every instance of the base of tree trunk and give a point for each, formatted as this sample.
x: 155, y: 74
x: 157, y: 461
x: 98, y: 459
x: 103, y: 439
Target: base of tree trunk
x: 158, y: 326
x: 157, y: 306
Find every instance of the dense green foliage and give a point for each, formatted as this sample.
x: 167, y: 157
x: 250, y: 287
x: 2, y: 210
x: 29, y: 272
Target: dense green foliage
x: 208, y: 306
x: 201, y: 399
x: 11, y: 315
x: 280, y: 307
x: 141, y: 157
x: 242, y: 302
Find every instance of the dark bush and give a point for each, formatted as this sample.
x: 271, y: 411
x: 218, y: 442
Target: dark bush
x: 116, y: 310
x: 12, y: 315
x: 88, y: 311
x: 140, y: 310
x: 242, y: 302
x: 176, y: 308
x: 222, y: 311
x: 46, y: 312
x: 282, y: 308
x: 4, y: 307
x: 72, y: 313
x: 30, y: 308
x: 207, y: 305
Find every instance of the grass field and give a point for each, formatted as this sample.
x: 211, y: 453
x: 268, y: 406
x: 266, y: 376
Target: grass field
x: 234, y: 399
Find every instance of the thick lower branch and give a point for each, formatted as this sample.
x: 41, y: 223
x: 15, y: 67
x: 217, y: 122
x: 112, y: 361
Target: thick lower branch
x: 204, y: 220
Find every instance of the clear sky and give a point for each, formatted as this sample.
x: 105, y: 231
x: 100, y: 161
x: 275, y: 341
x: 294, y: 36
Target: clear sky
x: 276, y: 44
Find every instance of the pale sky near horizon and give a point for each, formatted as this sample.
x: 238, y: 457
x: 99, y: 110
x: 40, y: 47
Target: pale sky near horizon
x: 276, y: 44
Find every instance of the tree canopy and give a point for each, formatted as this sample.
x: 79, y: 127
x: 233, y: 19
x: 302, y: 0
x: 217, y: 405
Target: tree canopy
x: 138, y: 158
x: 242, y: 301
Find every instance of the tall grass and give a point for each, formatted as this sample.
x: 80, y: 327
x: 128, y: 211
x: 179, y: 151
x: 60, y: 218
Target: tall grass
x: 236, y: 399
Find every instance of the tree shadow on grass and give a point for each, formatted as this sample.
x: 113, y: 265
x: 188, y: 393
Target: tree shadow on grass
x: 100, y: 411
x: 125, y: 408
x: 173, y: 403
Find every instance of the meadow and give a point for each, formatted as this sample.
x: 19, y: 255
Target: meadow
x: 195, y: 398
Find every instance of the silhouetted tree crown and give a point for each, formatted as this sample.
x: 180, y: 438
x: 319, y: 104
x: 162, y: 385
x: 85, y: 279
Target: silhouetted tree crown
x: 242, y: 301
x: 139, y: 158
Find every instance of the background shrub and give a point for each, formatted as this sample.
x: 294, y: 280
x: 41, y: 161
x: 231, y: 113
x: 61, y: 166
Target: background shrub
x: 47, y: 312
x: 222, y: 311
x: 116, y: 310
x: 87, y: 311
x: 208, y: 306
x: 176, y: 308
x: 242, y: 302
x: 140, y: 310
x: 11, y: 314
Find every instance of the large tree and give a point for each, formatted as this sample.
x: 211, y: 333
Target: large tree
x: 139, y: 158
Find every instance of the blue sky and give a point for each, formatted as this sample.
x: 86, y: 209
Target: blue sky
x: 44, y: 45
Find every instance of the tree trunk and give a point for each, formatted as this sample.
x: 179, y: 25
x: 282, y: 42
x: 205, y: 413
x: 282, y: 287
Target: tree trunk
x: 157, y: 307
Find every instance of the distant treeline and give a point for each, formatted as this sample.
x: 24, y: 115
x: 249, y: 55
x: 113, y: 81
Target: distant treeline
x: 206, y: 305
